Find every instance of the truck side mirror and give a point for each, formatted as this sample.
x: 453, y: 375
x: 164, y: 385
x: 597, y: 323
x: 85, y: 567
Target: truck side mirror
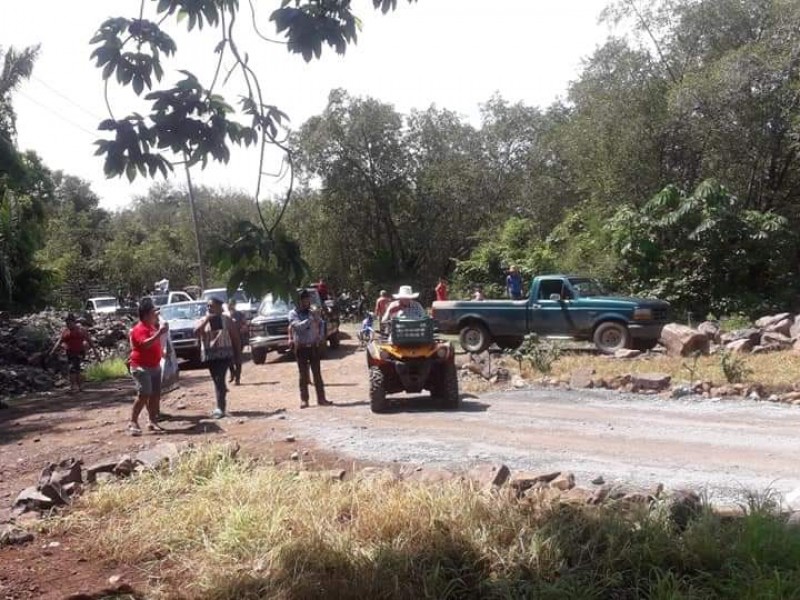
x: 556, y: 297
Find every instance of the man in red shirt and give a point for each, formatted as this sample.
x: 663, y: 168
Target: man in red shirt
x: 73, y: 340
x: 441, y: 290
x: 145, y: 363
x: 382, y: 304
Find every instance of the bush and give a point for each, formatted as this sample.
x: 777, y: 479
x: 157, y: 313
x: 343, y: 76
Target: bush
x: 113, y: 368
x: 539, y: 353
x: 734, y: 367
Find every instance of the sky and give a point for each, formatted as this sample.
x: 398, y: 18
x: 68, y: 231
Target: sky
x: 454, y: 54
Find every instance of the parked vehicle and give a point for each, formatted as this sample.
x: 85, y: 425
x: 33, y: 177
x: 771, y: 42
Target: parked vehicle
x: 102, y: 305
x: 269, y: 329
x: 412, y: 360
x: 249, y: 306
x: 182, y: 317
x: 558, y: 306
x: 169, y: 298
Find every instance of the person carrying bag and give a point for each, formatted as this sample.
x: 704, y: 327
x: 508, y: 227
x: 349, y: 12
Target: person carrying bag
x: 219, y: 343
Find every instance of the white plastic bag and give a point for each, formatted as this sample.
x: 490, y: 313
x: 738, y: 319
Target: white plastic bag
x: 169, y: 370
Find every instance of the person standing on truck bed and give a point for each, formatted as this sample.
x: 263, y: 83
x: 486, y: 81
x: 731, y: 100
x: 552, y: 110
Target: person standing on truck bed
x: 514, y: 283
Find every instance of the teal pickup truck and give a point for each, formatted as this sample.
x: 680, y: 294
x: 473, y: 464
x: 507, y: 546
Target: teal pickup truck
x: 558, y: 306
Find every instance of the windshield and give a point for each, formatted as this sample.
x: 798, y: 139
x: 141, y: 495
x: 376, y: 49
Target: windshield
x: 184, y: 312
x: 272, y: 306
x: 588, y: 287
x: 105, y: 303
x: 159, y: 300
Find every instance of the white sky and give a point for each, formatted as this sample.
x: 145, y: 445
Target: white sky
x: 452, y: 53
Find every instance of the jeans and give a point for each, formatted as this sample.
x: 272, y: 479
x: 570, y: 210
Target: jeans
x: 308, y: 356
x: 236, y: 370
x: 218, y: 369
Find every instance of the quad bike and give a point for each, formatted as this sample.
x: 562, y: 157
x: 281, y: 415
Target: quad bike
x: 410, y: 360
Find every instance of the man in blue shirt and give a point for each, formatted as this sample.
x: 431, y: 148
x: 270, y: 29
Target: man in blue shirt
x: 306, y: 333
x: 514, y: 283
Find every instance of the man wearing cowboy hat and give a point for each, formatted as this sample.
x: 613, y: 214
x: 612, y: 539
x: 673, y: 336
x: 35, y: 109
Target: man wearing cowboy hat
x: 405, y: 305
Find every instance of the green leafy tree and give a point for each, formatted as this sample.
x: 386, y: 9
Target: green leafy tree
x: 192, y: 123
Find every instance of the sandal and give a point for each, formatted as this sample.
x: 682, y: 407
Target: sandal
x: 154, y: 427
x: 134, y: 429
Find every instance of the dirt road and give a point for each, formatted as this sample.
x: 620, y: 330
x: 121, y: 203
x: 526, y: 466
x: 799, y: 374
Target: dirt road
x: 723, y: 447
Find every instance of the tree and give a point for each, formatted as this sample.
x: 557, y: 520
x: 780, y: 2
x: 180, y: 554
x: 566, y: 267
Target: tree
x: 190, y: 123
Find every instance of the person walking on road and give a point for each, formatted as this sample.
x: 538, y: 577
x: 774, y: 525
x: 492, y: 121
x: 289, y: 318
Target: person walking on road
x: 306, y: 333
x: 220, y: 345
x: 145, y: 366
x: 240, y: 324
x: 74, y: 340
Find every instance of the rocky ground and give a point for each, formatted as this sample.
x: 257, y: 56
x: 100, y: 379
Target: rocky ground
x: 600, y: 437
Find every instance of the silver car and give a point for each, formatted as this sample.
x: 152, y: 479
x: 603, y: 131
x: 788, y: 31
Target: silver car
x: 182, y: 318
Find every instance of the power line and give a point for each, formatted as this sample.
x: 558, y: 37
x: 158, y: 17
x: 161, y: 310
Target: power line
x: 57, y: 114
x: 67, y: 98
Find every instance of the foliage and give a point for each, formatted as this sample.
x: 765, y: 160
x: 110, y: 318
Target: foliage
x: 734, y: 367
x: 540, y: 353
x: 110, y: 369
x: 269, y: 533
x: 192, y: 123
x: 705, y: 252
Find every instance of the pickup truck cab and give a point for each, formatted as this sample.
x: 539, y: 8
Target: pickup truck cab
x: 102, y: 305
x: 269, y: 329
x: 558, y: 306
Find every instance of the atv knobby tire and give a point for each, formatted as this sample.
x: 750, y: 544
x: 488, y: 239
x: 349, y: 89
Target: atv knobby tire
x: 377, y: 392
x: 449, y: 398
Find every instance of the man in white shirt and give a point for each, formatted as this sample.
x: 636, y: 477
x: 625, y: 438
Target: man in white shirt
x: 405, y: 306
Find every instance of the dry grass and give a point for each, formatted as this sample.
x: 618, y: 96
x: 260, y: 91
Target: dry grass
x: 773, y: 370
x: 218, y: 528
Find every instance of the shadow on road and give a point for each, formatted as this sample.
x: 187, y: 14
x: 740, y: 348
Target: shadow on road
x: 412, y: 404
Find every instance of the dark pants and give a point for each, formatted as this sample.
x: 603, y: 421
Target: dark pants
x: 308, y: 356
x: 218, y: 369
x: 236, y: 370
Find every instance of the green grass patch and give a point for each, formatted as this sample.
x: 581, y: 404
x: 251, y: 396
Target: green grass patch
x: 221, y: 528
x: 113, y: 368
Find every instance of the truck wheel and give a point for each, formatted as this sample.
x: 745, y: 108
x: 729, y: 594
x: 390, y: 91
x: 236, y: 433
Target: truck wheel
x: 377, y: 393
x: 450, y: 398
x: 334, y: 340
x: 259, y: 355
x: 474, y: 337
x: 611, y: 336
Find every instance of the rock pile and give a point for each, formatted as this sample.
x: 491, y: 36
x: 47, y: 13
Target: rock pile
x: 25, y: 342
x: 768, y: 334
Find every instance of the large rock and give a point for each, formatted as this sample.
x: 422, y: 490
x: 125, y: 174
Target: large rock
x: 753, y: 335
x: 794, y: 330
x: 711, y: 330
x: 106, y: 466
x: 743, y: 346
x: 627, y: 353
x: 683, y: 506
x: 481, y: 364
x: 489, y: 475
x: 657, y: 382
x: 525, y: 481
x: 67, y: 471
x: 783, y: 327
x: 680, y: 340
x: 32, y: 499
x: 775, y: 338
x: 158, y: 456
x: 565, y: 481
x: 582, y: 379
x: 772, y: 320
x: 11, y: 534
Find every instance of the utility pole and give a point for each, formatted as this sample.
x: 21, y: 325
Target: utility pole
x: 198, y: 244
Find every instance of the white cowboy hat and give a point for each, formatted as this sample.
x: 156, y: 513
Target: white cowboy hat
x: 405, y: 291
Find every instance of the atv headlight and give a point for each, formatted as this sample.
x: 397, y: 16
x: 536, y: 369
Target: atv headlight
x: 443, y: 352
